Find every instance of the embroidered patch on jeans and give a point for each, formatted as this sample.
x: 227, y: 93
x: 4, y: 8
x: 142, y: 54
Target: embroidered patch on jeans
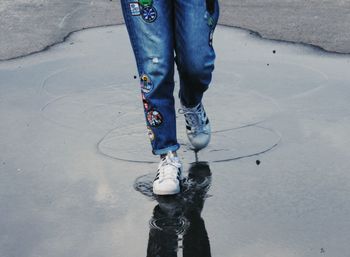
x: 149, y: 13
x: 135, y: 8
x: 150, y: 133
x: 146, y: 84
x: 146, y: 2
x: 154, y: 118
x: 145, y: 103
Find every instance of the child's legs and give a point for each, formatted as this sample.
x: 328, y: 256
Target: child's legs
x: 195, y: 21
x: 151, y: 34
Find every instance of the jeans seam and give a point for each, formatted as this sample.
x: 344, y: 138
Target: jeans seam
x: 131, y: 30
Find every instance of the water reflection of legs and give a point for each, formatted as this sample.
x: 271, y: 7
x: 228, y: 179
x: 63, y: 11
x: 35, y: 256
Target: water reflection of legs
x: 163, y: 238
x: 179, y: 216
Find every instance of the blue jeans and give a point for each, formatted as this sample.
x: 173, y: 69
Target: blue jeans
x: 158, y: 29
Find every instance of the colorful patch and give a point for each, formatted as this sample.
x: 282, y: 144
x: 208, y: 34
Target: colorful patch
x: 146, y: 2
x: 146, y: 84
x: 145, y: 103
x: 154, y: 118
x: 135, y: 9
x: 150, y: 133
x: 211, y: 36
x: 149, y: 14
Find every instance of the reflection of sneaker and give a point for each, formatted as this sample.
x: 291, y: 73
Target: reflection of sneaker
x: 199, y: 174
x: 198, y: 182
x: 197, y: 126
x: 167, y: 181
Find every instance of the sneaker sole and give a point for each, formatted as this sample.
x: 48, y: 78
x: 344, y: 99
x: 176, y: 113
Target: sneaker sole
x: 197, y: 149
x: 159, y: 192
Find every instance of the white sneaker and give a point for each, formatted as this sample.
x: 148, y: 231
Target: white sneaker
x: 169, y: 174
x: 197, y: 126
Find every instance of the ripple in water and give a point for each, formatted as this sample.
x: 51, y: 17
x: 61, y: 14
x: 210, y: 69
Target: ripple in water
x: 171, y: 214
x: 176, y: 225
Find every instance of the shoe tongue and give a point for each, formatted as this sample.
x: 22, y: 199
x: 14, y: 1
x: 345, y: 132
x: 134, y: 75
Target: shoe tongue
x: 171, y: 158
x: 170, y: 155
x: 167, y: 158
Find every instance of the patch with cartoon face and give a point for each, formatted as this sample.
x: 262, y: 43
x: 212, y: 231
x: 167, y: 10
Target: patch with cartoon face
x: 146, y: 84
x: 149, y: 14
x: 150, y: 133
x: 154, y: 118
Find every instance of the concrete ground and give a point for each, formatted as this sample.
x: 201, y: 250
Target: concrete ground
x: 322, y: 23
x: 276, y: 181
x: 28, y: 26
x: 280, y: 115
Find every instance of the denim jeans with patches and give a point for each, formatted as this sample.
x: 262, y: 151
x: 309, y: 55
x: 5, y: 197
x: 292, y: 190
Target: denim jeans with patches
x: 162, y: 33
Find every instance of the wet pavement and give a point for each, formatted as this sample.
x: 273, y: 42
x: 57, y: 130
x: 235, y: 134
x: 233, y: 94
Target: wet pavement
x: 76, y: 167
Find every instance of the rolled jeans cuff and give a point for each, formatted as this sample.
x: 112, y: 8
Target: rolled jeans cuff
x: 172, y: 148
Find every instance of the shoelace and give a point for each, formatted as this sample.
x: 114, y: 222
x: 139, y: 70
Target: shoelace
x: 167, y: 173
x: 194, y: 117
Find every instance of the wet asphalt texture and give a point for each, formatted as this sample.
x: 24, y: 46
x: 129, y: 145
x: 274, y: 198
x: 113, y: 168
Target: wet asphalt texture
x: 273, y: 182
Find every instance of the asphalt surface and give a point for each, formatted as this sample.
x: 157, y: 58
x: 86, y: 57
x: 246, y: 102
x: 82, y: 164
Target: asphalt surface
x: 322, y: 23
x: 275, y: 182
x: 280, y: 118
x: 28, y: 26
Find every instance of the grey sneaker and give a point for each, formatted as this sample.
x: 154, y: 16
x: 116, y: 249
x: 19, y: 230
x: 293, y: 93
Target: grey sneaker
x: 197, y: 126
x: 169, y: 174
